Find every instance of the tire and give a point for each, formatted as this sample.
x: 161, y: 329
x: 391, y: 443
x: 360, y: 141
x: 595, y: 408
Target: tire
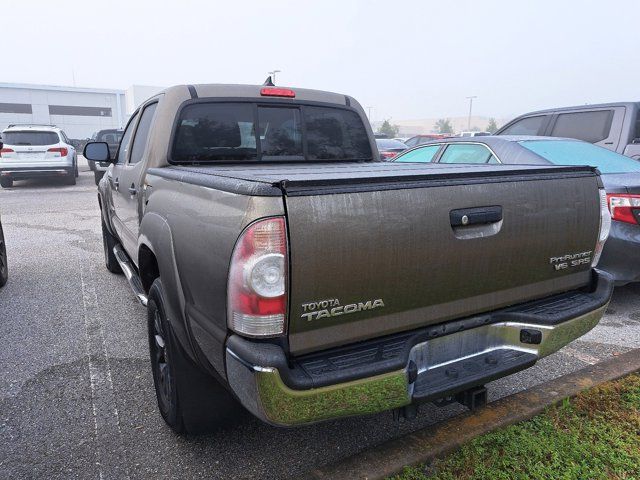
x: 4, y: 269
x: 189, y: 399
x: 76, y: 169
x: 6, y: 182
x: 108, y: 242
x: 97, y: 175
x: 70, y: 179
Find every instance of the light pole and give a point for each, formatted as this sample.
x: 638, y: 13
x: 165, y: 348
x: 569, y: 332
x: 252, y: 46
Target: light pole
x: 470, y: 109
x: 273, y: 75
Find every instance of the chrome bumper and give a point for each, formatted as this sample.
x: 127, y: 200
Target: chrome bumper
x: 262, y: 391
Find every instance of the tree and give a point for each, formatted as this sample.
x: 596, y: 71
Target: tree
x: 492, y: 127
x: 443, y: 125
x: 388, y: 129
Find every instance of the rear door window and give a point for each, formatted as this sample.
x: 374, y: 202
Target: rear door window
x: 33, y: 138
x: 419, y: 155
x: 526, y: 126
x: 591, y: 126
x: 466, y: 153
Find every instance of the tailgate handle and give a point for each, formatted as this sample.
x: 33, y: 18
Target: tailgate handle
x: 475, y: 216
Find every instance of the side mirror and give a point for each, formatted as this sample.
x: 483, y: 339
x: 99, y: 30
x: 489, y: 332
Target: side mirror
x: 97, y: 152
x: 636, y: 141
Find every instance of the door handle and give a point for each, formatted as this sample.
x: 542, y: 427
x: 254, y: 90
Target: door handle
x: 132, y: 189
x: 475, y: 216
x: 116, y: 184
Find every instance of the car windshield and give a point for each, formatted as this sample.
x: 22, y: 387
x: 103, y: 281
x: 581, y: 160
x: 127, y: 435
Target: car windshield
x: 570, y: 152
x: 217, y: 131
x: 30, y: 138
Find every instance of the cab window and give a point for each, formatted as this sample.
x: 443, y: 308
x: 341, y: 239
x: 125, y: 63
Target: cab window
x: 526, y: 126
x: 466, y: 153
x: 591, y: 126
x: 126, y: 140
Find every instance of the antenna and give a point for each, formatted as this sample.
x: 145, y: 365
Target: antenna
x: 268, y: 82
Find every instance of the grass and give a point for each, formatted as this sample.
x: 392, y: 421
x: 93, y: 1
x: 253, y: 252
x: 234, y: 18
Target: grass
x: 595, y: 435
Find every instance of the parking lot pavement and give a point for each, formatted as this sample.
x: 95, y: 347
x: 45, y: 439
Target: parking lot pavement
x: 76, y: 394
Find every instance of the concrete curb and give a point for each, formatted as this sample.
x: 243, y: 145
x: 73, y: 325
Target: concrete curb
x: 424, y: 445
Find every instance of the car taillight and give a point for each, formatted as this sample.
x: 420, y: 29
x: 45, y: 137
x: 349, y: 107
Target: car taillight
x: 6, y: 150
x: 624, y: 207
x: 257, y: 285
x: 61, y: 150
x: 605, y: 226
x: 388, y: 155
x: 277, y: 92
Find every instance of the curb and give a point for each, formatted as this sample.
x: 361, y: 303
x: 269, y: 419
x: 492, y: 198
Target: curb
x: 434, y: 441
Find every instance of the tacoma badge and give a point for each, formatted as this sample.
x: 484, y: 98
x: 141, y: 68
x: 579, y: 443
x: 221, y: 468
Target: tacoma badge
x: 332, y: 308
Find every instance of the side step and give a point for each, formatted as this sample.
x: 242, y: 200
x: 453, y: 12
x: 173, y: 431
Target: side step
x: 461, y: 375
x: 130, y: 274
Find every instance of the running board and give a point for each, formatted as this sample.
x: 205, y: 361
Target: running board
x: 130, y: 274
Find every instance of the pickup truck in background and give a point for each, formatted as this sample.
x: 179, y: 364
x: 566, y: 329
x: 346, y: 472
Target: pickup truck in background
x: 614, y: 126
x: 286, y: 269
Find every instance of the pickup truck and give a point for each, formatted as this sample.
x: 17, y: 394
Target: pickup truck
x: 286, y: 269
x: 614, y: 126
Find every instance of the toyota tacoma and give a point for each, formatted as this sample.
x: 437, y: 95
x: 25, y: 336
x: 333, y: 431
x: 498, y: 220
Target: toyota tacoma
x: 286, y: 269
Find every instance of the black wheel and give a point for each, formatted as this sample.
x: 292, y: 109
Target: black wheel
x: 189, y: 399
x: 108, y: 242
x: 4, y: 269
x: 97, y: 174
x: 76, y: 169
x: 6, y: 182
x: 70, y: 178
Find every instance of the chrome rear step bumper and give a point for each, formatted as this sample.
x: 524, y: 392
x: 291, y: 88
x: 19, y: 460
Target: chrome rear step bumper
x: 131, y: 275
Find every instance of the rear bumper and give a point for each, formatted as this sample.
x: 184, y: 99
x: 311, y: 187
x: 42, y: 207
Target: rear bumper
x: 417, y: 366
x: 18, y: 173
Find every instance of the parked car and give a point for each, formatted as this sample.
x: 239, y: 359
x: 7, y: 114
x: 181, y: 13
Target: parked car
x: 614, y: 126
x: 473, y: 134
x: 283, y: 266
x: 4, y: 268
x: 31, y: 151
x: 112, y: 138
x: 389, y: 148
x: 620, y: 176
x: 401, y: 139
x: 420, y: 139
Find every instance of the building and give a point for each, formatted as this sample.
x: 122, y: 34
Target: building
x: 78, y: 111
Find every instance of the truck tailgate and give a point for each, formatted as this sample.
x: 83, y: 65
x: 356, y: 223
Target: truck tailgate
x: 370, y: 257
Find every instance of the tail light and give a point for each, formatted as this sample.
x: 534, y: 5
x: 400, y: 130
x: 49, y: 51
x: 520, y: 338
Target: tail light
x: 277, y: 92
x: 388, y: 155
x: 61, y: 150
x: 605, y: 226
x: 257, y: 286
x: 6, y: 150
x: 624, y: 208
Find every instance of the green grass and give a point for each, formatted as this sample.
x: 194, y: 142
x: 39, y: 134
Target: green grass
x: 593, y: 436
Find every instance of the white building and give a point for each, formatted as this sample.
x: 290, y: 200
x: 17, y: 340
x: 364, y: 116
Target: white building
x: 78, y: 111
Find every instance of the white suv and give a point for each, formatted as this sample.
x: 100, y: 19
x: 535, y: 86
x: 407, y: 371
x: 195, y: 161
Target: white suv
x: 34, y: 151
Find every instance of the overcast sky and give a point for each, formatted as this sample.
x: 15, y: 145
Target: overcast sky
x: 407, y: 59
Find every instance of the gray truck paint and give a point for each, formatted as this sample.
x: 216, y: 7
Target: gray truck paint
x: 358, y: 232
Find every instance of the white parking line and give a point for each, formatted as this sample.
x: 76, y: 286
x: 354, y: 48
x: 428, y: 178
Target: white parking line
x: 105, y: 411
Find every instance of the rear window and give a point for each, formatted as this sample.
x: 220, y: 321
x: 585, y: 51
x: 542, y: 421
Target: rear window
x: 227, y: 132
x: 31, y: 138
x: 565, y: 152
x: 588, y: 126
x: 390, y: 145
x: 110, y: 137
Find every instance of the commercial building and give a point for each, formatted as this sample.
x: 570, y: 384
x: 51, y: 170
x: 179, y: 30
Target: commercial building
x: 78, y: 111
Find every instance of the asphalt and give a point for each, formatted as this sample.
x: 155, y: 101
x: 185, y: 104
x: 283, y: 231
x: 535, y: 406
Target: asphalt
x: 76, y: 394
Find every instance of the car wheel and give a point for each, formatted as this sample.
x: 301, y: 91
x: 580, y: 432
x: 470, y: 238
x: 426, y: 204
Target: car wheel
x: 108, y: 242
x: 97, y: 175
x: 4, y: 268
x: 70, y: 178
x: 189, y: 399
x: 76, y: 169
x: 6, y: 182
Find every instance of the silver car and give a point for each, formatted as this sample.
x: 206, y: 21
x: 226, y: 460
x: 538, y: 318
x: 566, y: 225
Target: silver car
x: 31, y: 151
